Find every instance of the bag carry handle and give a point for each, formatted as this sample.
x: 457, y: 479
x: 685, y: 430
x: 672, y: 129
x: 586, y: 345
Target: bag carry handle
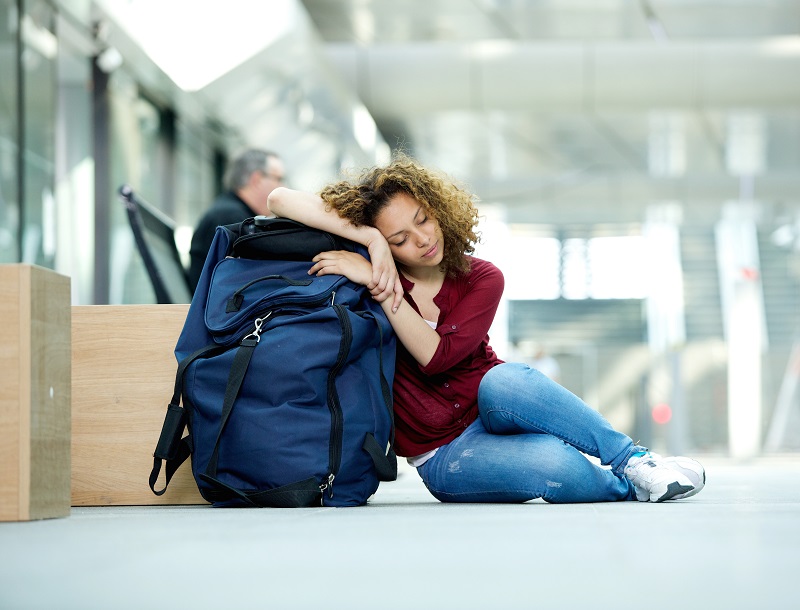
x: 385, y: 463
x: 235, y: 302
x: 171, y: 448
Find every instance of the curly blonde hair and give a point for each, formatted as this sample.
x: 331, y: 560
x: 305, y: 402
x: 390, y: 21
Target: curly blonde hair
x: 361, y: 200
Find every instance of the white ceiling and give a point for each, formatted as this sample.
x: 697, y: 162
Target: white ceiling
x: 559, y: 111
x: 563, y: 109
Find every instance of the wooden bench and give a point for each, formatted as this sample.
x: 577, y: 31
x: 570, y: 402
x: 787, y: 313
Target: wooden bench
x: 123, y: 372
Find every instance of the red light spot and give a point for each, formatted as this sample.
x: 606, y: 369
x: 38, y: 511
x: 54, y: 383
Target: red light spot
x: 750, y: 273
x: 662, y: 413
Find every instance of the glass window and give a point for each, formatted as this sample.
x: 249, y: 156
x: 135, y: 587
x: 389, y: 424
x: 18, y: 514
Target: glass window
x: 9, y: 115
x: 144, y: 140
x: 575, y: 269
x: 195, y: 189
x: 38, y: 59
x: 134, y: 125
x: 538, y: 265
x: 618, y: 267
x: 74, y: 164
x: 531, y: 265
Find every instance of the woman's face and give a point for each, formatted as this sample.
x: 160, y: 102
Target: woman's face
x: 413, y: 234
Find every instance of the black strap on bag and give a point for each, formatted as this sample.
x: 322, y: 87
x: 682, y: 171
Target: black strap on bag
x: 171, y: 448
x: 385, y: 463
x: 235, y: 378
x: 293, y: 495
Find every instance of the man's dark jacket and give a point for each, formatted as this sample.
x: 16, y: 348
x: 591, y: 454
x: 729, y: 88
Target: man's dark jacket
x: 227, y: 209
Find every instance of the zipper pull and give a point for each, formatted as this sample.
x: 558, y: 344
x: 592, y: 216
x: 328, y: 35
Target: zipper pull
x: 333, y: 297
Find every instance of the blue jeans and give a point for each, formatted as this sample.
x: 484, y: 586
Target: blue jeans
x: 529, y: 442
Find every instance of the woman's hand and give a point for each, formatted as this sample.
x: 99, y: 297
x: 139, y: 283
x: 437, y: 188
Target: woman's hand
x: 358, y: 269
x: 385, y: 281
x: 352, y: 265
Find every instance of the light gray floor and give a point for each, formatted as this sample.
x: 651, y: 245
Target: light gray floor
x: 735, y: 545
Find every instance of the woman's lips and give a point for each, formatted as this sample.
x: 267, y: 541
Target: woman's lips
x: 434, y: 249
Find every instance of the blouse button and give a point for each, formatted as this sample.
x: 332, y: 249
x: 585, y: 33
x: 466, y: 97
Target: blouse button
x: 447, y: 385
x: 453, y: 327
x: 457, y: 405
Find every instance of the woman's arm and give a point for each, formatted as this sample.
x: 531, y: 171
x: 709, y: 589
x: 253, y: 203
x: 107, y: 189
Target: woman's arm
x: 310, y: 210
x: 414, y: 333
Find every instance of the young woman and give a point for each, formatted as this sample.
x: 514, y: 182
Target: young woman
x: 477, y: 429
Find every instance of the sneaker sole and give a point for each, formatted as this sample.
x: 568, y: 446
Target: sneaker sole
x: 674, y: 489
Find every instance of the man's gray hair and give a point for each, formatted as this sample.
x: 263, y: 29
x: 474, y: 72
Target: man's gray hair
x: 244, y: 165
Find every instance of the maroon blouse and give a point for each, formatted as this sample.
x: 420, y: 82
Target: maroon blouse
x: 434, y: 403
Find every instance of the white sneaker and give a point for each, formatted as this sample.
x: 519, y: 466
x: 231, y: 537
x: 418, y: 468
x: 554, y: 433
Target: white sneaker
x: 691, y: 469
x: 654, y: 481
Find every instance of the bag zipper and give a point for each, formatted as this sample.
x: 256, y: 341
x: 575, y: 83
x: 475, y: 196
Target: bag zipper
x: 273, y: 310
x: 337, y: 418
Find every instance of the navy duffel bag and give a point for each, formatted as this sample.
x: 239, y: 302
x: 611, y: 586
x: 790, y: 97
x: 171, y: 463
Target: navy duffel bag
x: 284, y: 378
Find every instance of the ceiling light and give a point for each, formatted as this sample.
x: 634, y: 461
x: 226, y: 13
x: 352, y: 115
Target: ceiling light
x: 195, y: 43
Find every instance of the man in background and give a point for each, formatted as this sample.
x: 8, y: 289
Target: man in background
x: 250, y: 178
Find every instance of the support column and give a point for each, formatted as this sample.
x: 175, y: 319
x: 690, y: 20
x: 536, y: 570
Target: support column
x: 745, y: 324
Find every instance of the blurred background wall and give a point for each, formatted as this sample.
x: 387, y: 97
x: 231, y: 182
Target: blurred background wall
x: 637, y: 164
